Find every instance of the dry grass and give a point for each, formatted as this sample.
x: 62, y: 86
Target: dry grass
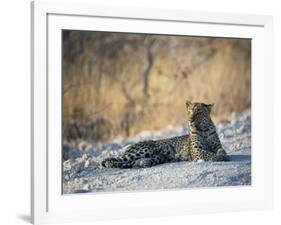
x: 208, y: 70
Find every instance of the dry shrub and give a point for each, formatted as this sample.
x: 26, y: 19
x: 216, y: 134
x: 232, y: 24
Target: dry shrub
x: 108, y: 83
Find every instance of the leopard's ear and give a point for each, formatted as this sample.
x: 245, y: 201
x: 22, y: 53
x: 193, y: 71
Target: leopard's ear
x: 209, y: 106
x: 188, y: 104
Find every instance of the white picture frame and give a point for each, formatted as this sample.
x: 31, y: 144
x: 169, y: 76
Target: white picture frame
x: 48, y: 205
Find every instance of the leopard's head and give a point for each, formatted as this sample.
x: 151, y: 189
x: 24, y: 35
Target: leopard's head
x: 198, y: 110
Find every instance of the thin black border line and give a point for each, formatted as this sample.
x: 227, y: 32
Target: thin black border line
x: 62, y: 107
x: 62, y: 84
x: 157, y: 34
x: 47, y: 114
x: 251, y: 111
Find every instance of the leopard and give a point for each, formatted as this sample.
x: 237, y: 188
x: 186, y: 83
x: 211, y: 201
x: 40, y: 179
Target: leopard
x: 201, y: 143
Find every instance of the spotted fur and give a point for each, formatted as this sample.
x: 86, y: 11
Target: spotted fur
x: 202, y: 143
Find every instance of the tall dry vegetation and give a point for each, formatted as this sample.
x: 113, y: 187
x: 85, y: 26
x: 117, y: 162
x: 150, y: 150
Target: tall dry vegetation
x: 117, y: 84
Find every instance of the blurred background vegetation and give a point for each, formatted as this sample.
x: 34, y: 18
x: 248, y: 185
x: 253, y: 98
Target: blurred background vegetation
x: 119, y: 84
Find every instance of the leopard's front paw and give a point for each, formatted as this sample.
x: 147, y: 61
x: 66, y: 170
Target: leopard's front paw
x: 143, y: 163
x: 221, y: 155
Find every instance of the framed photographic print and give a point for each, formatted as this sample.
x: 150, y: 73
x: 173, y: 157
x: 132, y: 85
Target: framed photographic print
x: 148, y: 112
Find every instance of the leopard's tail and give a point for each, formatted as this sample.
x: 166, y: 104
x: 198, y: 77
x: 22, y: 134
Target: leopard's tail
x: 111, y: 163
x: 120, y: 162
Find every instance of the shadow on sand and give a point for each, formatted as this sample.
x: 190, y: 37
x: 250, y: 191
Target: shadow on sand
x: 240, y: 157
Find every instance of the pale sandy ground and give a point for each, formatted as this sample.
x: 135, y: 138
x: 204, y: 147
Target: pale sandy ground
x: 82, y: 171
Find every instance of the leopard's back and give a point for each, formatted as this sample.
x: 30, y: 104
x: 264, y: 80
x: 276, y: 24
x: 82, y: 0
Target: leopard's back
x: 150, y: 153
